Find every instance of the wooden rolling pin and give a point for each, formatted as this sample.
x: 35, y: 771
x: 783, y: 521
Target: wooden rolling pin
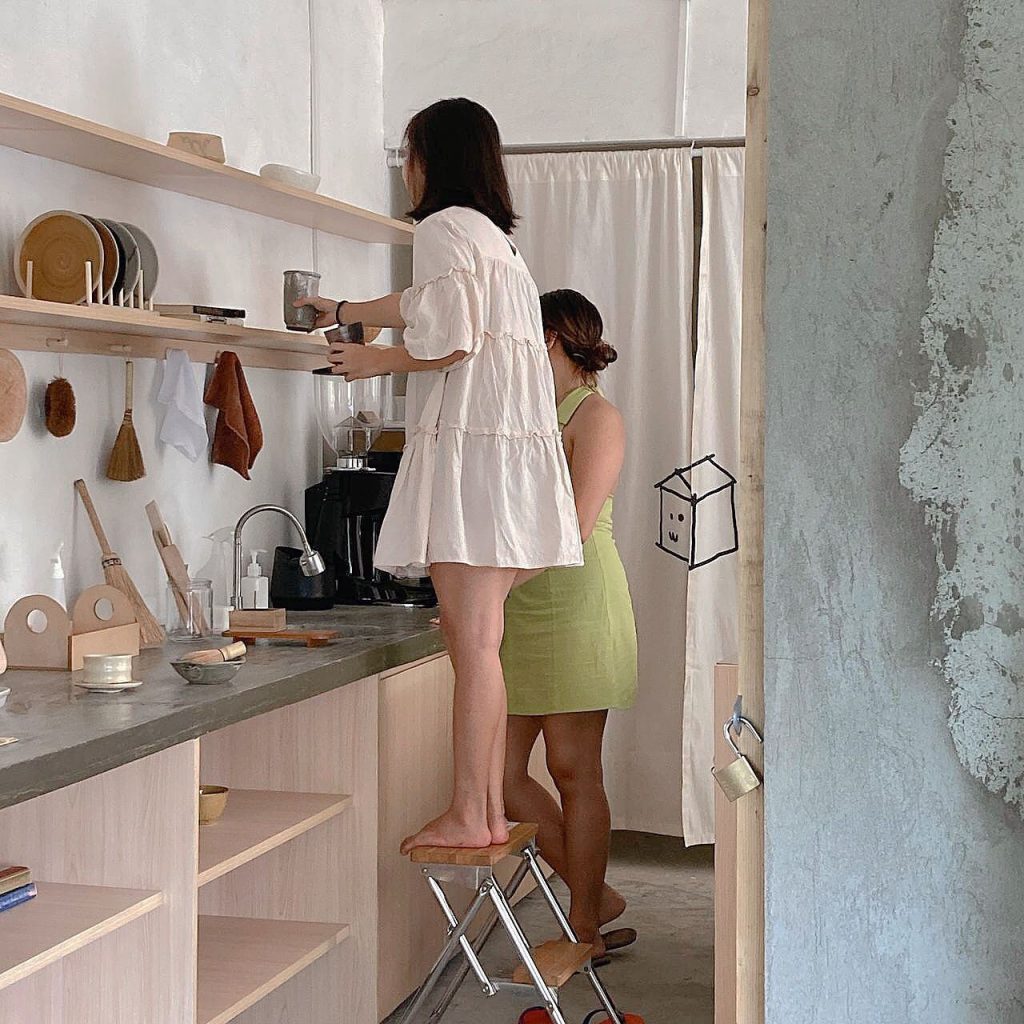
x: 229, y: 653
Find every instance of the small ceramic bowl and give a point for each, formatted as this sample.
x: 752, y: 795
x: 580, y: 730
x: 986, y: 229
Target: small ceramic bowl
x: 218, y: 672
x: 293, y: 176
x: 212, y: 801
x: 5, y: 692
x: 107, y: 669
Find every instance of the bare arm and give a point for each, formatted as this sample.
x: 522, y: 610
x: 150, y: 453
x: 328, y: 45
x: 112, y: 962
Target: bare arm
x: 598, y: 448
x: 356, y: 362
x: 382, y: 312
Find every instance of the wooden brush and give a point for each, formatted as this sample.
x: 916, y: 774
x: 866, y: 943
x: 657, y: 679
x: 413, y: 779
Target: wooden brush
x: 59, y: 406
x: 117, y: 576
x: 126, y: 455
x: 220, y: 654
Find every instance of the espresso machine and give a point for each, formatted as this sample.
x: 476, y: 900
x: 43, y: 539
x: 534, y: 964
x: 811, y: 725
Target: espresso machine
x: 345, y: 510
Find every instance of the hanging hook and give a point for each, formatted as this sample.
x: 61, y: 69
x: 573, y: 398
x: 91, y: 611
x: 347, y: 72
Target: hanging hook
x: 125, y: 350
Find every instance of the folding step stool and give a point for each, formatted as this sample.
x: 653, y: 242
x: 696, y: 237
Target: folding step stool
x: 543, y: 970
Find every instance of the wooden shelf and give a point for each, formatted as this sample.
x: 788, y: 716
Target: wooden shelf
x: 35, y: 129
x: 242, y: 959
x: 34, y: 325
x: 61, y: 919
x: 257, y: 821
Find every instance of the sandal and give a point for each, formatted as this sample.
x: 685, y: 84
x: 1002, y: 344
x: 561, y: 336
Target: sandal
x: 618, y: 938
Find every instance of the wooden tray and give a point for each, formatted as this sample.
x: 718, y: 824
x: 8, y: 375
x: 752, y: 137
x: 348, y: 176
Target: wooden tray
x: 311, y: 637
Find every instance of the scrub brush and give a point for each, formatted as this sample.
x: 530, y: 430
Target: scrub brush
x: 59, y: 407
x: 126, y: 456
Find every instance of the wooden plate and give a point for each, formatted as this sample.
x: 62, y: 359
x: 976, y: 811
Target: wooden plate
x: 13, y: 395
x: 111, y: 254
x: 58, y: 243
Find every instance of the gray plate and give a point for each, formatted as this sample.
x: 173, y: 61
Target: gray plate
x: 150, y: 263
x: 132, y: 257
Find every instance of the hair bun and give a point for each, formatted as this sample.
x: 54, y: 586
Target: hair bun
x: 594, y: 357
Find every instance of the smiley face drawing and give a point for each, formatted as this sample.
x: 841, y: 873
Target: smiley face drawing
x: 675, y: 530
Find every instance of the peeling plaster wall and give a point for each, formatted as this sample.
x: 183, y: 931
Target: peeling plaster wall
x: 894, y: 880
x: 963, y: 460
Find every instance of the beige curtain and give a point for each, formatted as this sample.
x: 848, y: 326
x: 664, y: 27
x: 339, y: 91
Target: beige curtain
x: 619, y: 228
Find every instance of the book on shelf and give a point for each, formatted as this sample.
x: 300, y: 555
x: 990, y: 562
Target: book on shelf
x: 14, y: 877
x: 17, y: 896
x: 210, y: 314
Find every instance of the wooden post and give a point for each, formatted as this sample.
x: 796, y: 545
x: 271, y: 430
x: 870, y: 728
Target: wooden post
x: 750, y: 989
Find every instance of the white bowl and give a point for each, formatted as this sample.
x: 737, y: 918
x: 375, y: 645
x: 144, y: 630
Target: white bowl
x: 105, y: 669
x: 291, y: 176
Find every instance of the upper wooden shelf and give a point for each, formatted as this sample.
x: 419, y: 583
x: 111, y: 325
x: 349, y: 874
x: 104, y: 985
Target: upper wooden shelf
x: 62, y: 919
x: 35, y: 129
x: 256, y: 822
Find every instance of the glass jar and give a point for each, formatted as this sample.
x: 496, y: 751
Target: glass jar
x: 190, y: 615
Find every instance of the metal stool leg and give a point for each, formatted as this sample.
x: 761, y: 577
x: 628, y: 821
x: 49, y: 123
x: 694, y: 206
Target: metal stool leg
x: 530, y: 858
x: 472, y: 960
x: 460, y: 976
x: 522, y: 947
x: 449, y: 950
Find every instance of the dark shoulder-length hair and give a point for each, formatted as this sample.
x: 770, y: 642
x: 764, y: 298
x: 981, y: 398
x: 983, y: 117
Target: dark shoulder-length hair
x: 456, y: 145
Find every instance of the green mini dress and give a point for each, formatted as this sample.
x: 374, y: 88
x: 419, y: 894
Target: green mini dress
x: 570, y: 636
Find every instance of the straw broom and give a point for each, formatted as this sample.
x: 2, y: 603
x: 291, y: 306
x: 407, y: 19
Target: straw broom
x: 126, y: 455
x: 116, y: 575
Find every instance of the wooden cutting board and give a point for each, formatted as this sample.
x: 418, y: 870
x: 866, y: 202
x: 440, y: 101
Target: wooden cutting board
x: 13, y: 395
x: 310, y: 637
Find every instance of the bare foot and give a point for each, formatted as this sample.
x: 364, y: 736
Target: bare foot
x: 448, y: 831
x: 613, y: 905
x: 590, y: 934
x: 499, y: 831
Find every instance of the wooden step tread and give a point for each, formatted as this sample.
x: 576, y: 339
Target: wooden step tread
x: 485, y: 857
x: 557, y: 959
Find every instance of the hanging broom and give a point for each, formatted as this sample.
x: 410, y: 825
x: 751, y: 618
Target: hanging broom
x: 116, y: 575
x: 126, y: 456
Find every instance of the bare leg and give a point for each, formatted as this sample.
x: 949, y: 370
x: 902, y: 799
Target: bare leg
x: 472, y: 602
x: 574, y: 759
x: 527, y: 800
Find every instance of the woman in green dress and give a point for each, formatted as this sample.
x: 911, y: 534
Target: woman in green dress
x: 569, y: 649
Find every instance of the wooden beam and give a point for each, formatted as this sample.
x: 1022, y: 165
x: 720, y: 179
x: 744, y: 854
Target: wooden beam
x: 750, y: 1007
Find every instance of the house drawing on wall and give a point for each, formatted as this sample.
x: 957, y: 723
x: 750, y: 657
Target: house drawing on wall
x: 697, y: 522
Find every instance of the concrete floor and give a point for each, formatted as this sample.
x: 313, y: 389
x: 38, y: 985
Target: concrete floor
x: 667, y: 977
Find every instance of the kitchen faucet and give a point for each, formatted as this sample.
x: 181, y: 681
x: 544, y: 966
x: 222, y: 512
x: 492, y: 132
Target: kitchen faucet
x: 310, y: 561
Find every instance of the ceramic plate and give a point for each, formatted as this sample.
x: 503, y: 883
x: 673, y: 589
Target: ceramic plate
x: 59, y: 244
x: 111, y: 254
x: 110, y: 687
x: 131, y: 260
x: 150, y: 263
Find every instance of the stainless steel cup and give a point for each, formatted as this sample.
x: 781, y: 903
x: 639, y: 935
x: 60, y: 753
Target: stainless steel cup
x: 296, y: 284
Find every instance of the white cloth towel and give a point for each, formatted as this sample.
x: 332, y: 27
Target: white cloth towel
x: 184, y: 425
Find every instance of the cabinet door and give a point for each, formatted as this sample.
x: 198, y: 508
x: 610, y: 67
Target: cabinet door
x: 414, y: 785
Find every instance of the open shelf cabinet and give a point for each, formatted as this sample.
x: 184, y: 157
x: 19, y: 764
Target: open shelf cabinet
x: 32, y: 128
x: 61, y: 920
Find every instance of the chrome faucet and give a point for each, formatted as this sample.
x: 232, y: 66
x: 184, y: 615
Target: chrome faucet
x: 310, y: 561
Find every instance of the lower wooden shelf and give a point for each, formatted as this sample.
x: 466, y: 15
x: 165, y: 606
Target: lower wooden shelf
x: 256, y: 821
x: 62, y: 919
x: 243, y: 959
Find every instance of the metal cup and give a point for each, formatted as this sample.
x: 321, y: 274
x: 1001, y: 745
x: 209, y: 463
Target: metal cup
x: 298, y: 283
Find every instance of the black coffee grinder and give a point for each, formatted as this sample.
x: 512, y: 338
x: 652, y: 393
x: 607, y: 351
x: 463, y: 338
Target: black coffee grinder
x: 345, y: 510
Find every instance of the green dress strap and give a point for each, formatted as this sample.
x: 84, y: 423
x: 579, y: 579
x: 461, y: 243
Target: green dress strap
x: 572, y: 401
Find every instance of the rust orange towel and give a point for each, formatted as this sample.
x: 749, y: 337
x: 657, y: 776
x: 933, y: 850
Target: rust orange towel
x: 238, y: 436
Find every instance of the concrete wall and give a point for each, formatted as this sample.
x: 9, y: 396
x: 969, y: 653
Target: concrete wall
x: 570, y: 70
x: 148, y: 68
x: 895, y: 880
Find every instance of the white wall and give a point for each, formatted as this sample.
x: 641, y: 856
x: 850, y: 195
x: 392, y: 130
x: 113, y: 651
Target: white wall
x: 151, y: 67
x: 570, y: 70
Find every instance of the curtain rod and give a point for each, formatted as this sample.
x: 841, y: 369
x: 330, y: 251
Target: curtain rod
x: 625, y: 144
x: 527, y: 149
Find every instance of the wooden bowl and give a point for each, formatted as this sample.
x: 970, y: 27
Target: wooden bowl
x: 212, y: 801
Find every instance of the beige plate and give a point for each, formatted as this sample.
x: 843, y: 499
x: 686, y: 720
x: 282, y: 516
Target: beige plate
x: 13, y: 395
x: 109, y: 687
x: 59, y: 243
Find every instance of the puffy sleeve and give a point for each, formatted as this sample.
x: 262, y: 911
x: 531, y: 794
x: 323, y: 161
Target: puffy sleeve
x: 443, y: 310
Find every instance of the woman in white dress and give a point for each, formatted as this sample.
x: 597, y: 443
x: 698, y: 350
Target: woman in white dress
x: 483, y: 496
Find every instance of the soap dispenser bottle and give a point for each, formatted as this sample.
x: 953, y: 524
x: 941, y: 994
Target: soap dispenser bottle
x: 255, y: 586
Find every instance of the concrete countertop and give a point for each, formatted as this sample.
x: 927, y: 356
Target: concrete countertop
x: 66, y: 734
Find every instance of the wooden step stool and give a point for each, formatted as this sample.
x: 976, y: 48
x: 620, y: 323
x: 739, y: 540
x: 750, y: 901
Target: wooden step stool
x: 544, y: 969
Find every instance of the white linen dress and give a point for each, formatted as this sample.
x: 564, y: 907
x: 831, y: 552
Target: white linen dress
x: 483, y: 479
